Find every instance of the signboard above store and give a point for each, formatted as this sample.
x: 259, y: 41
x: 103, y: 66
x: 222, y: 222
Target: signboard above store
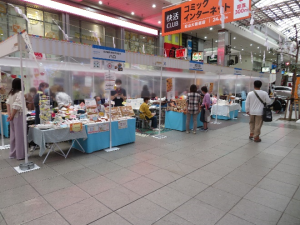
x: 197, y: 14
x: 181, y: 53
x: 107, y: 53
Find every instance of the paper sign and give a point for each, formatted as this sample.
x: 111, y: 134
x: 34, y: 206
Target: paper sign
x: 110, y: 76
x: 237, y: 71
x: 75, y: 127
x: 122, y: 124
x: 198, y: 66
x: 107, y: 53
x: 110, y: 65
x: 103, y: 127
x: 109, y: 85
x: 90, y: 102
x: 97, y: 128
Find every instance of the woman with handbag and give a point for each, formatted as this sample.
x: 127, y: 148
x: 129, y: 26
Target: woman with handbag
x: 205, y: 107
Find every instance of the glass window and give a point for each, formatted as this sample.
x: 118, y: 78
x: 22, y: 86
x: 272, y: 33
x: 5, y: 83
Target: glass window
x: 3, y: 22
x: 12, y: 11
x: 87, y: 37
x: 35, y: 26
x: 110, y: 37
x: 16, y: 24
x: 139, y: 43
x: 49, y: 16
x: 51, y: 31
x: 35, y: 14
x: 75, y: 30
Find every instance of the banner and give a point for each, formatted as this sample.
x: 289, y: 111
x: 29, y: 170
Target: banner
x: 197, y: 14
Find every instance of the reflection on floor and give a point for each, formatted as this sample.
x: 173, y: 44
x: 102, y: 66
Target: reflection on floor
x: 217, y: 177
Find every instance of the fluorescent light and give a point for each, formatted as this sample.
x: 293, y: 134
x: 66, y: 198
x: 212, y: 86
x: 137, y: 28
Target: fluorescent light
x: 211, y: 28
x: 100, y: 2
x: 132, y: 13
x: 92, y: 15
x: 234, y: 38
x: 205, y: 37
x: 153, y: 6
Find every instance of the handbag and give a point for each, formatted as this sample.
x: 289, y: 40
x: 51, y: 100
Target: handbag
x: 267, y: 113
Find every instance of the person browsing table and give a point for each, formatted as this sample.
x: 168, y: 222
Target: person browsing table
x: 193, y: 108
x: 205, y: 105
x: 118, y: 95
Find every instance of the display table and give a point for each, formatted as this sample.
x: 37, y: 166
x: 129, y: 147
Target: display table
x: 54, y: 136
x: 177, y: 121
x: 225, y: 112
x: 243, y: 106
x: 5, y: 126
x: 99, y: 141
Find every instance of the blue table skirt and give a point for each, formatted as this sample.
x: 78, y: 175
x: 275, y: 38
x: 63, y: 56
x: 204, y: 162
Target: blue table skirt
x: 244, y: 106
x: 5, y: 126
x: 100, y: 141
x: 233, y: 114
x: 176, y: 121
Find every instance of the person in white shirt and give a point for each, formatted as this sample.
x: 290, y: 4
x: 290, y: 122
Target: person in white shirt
x: 254, y: 108
x: 62, y: 98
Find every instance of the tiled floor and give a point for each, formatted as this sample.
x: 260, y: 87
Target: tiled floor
x: 218, y: 177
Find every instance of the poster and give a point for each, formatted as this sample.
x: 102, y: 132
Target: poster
x: 211, y: 87
x: 75, y: 127
x: 122, y: 124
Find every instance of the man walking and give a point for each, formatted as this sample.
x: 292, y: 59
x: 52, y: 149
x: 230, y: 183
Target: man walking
x: 254, y: 108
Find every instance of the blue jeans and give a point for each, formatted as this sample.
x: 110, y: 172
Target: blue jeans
x: 154, y: 121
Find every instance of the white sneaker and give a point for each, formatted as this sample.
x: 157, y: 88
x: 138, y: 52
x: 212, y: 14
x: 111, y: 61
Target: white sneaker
x: 187, y: 132
x: 194, y: 132
x: 32, y: 149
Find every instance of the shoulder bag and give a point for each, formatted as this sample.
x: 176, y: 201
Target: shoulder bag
x: 267, y: 113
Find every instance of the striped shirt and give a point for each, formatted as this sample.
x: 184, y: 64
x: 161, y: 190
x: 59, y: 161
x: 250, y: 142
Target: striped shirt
x: 193, y: 100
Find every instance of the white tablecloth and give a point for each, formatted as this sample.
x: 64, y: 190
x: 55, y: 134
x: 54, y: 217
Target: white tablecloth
x: 224, y: 110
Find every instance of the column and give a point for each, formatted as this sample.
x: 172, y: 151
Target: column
x: 223, y: 40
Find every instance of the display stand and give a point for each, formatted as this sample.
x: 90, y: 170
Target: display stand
x: 159, y: 135
x: 218, y: 97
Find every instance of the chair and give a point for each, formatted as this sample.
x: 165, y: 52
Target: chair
x: 144, y: 122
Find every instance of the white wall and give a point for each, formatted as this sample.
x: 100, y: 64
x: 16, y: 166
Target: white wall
x: 246, y: 63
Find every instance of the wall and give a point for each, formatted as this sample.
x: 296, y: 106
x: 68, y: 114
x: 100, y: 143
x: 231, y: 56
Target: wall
x: 246, y: 63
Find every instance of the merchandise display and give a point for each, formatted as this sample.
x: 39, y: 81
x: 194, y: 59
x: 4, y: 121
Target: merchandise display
x: 178, y: 105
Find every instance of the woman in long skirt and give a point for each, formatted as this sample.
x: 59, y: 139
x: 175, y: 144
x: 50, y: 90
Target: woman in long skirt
x: 15, y: 117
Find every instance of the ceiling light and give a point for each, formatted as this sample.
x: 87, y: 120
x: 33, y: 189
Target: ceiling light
x: 216, y: 41
x: 211, y: 28
x: 258, y: 47
x: 205, y: 37
x: 259, y: 55
x: 250, y: 44
x: 234, y: 38
x: 234, y: 46
x: 100, y: 2
x: 92, y: 15
x: 132, y: 13
x: 153, y: 6
x: 269, y: 52
x: 159, y: 22
x: 1, y: 34
x: 242, y: 49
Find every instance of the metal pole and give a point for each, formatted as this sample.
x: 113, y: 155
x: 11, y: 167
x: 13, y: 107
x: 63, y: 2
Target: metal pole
x: 218, y: 97
x: 23, y: 101
x: 195, y: 78
x: 110, y: 138
x: 160, y: 93
x: 235, y: 87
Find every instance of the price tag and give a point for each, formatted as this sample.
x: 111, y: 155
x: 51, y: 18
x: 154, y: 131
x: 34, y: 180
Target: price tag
x: 103, y: 127
x: 122, y: 124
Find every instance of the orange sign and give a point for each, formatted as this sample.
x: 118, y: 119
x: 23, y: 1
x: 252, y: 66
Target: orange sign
x: 75, y: 127
x: 197, y: 14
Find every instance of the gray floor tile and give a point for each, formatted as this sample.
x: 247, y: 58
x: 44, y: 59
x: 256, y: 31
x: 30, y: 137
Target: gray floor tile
x: 172, y: 219
x: 158, y: 151
x: 66, y: 167
x: 291, y: 162
x: 7, y: 172
x: 244, y: 177
x: 143, y: 185
x: 143, y: 168
x: 127, y: 161
x: 40, y: 174
x: 105, y: 168
x: 229, y: 219
x: 178, y: 168
x: 65, y: 197
x: 12, y: 182
x: 49, y: 219
x: 51, y: 185
x: 84, y: 212
x: 256, y: 213
x: 175, y: 156
x: 277, y: 187
x: 97, y: 185
x: 288, y: 220
x: 254, y: 169
x: 122, y: 176
x: 111, y: 219
x: 188, y: 186
x: 284, y: 177
x: 81, y: 175
x: 142, y: 212
x: 117, y: 197
x: 159, y: 161
x: 17, y: 195
x: 89, y: 160
x: 26, y: 211
x: 163, y: 176
x: 4, y: 163
x: 293, y: 208
x: 297, y: 195
x: 144, y: 156
x: 199, y: 213
x: 167, y: 198
x: 204, y: 177
x: 233, y: 186
x: 217, y: 169
x: 288, y: 169
x: 195, y: 162
x: 267, y: 198
x: 263, y: 162
x: 217, y: 198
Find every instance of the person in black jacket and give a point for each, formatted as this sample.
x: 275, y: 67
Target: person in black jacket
x: 145, y: 92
